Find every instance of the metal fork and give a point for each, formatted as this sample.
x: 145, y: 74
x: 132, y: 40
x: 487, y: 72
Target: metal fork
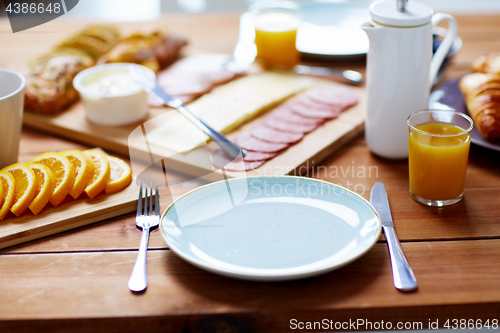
x: 146, y: 220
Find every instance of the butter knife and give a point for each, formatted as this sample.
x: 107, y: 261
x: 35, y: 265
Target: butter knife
x: 154, y: 90
x: 403, y: 276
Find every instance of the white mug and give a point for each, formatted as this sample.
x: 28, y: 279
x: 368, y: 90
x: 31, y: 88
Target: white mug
x: 11, y: 115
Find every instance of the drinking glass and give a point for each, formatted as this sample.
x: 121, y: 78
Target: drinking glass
x: 438, y: 142
x: 276, y: 24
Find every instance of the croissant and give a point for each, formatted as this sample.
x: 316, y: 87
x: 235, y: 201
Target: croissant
x: 489, y: 63
x: 482, y: 95
x: 155, y: 50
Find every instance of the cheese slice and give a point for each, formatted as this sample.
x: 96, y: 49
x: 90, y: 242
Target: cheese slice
x: 226, y: 108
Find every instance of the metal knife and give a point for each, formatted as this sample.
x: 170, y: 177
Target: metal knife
x: 403, y: 276
x: 245, y: 52
x: 154, y: 90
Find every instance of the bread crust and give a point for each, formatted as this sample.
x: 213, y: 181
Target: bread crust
x: 482, y: 95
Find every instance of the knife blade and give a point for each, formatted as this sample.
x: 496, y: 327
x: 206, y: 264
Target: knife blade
x: 245, y: 52
x: 402, y: 274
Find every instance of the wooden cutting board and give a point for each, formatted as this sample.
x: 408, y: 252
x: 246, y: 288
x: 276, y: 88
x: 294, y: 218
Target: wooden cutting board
x: 68, y: 215
x: 131, y: 140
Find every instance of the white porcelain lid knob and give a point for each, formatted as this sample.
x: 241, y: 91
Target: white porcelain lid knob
x: 388, y: 12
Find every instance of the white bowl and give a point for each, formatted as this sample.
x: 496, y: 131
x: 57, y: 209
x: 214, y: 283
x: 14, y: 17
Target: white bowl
x: 110, y: 94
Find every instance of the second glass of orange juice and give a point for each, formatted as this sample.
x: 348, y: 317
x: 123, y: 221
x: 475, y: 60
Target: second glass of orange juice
x: 439, y: 142
x: 276, y: 24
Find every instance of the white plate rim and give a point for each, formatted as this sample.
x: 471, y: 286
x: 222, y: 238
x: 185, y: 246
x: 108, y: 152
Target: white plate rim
x: 267, y: 277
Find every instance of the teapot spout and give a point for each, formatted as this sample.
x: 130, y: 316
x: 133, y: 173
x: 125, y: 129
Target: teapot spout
x: 374, y: 32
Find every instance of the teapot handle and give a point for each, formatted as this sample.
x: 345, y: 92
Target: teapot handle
x: 446, y: 44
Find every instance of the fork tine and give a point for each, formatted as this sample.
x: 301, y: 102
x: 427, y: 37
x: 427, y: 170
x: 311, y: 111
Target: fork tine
x: 157, y: 202
x: 139, y: 203
x: 151, y: 200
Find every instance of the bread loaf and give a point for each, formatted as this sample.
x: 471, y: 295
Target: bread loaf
x: 49, y: 86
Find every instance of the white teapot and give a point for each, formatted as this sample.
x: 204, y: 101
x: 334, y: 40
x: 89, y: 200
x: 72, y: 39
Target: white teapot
x: 400, y: 70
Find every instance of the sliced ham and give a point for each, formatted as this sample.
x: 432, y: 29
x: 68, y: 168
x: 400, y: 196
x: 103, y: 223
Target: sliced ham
x: 193, y: 76
x: 247, y: 141
x: 283, y: 125
x: 334, y: 95
x: 306, y: 100
x: 285, y: 113
x: 269, y: 134
x: 222, y: 161
x: 315, y: 113
x: 253, y: 156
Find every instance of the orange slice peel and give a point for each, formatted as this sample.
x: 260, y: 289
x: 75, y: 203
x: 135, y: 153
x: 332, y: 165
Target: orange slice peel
x: 8, y: 185
x: 82, y: 168
x: 45, y: 185
x: 24, y: 188
x: 63, y: 172
x: 101, y: 172
x: 120, y: 177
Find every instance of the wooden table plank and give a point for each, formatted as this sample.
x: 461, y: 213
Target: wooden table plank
x: 94, y: 285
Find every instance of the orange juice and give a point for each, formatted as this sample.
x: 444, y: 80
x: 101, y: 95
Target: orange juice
x: 438, y: 160
x: 275, y: 36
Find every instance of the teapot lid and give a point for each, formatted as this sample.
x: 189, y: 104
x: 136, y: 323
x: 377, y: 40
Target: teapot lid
x: 400, y: 14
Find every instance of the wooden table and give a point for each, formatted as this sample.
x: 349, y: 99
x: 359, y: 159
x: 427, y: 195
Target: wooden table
x: 77, y: 281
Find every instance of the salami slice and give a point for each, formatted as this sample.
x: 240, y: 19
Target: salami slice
x: 284, y: 112
x: 269, y: 134
x: 282, y: 125
x: 247, y: 141
x: 334, y: 95
x: 222, y: 161
x: 315, y: 113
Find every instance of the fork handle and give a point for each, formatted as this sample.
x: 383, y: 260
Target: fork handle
x: 403, y: 276
x: 139, y: 278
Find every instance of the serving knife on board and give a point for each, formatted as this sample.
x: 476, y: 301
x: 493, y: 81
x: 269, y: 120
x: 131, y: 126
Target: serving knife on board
x: 245, y: 52
x: 403, y: 276
x: 155, y: 91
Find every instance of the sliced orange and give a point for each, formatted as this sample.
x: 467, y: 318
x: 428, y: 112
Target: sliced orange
x: 121, y: 175
x: 25, y: 187
x: 62, y: 169
x: 101, y: 172
x: 8, y: 185
x: 1, y: 192
x: 82, y: 168
x: 45, y: 185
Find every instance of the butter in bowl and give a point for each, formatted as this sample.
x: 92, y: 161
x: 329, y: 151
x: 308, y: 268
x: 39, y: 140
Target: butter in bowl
x: 111, y: 96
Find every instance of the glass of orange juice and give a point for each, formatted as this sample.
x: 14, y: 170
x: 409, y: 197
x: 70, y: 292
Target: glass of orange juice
x: 439, y: 142
x: 276, y: 24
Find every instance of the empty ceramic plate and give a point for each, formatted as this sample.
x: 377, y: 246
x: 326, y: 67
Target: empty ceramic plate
x: 270, y: 228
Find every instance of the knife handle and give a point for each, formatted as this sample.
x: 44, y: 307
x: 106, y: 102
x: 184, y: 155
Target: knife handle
x: 403, y: 276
